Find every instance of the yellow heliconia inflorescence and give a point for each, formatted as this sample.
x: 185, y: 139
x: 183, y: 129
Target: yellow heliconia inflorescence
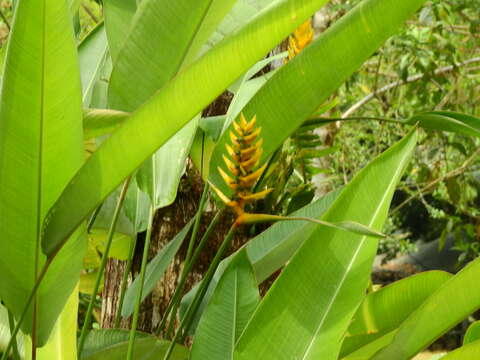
x: 300, y: 38
x: 242, y: 163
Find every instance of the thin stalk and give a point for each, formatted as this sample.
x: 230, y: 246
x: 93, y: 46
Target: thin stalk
x: 187, y: 319
x: 191, y: 244
x: 4, y: 18
x: 11, y: 323
x: 14, y: 333
x: 138, y: 300
x: 92, y: 219
x: 196, y: 226
x: 179, y: 290
x: 350, y: 226
x: 111, y: 232
x: 123, y: 286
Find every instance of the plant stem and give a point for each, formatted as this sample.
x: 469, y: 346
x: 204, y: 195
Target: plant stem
x: 123, y: 286
x: 187, y: 319
x: 40, y: 277
x: 11, y: 323
x: 111, y: 232
x: 4, y: 18
x: 188, y: 256
x: 196, y: 226
x: 138, y: 300
x: 179, y: 290
x: 92, y: 219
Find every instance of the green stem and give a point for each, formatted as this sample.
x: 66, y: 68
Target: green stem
x: 92, y: 219
x: 111, y: 232
x: 188, y: 267
x: 123, y: 286
x: 40, y: 277
x: 196, y: 226
x: 350, y: 226
x: 191, y: 244
x: 187, y: 319
x: 11, y: 323
x: 322, y: 121
x: 138, y: 300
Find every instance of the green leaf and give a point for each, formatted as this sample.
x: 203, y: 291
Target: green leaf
x: 167, y: 112
x: 118, y: 17
x: 233, y: 302
x: 161, y: 173
x: 304, y: 83
x: 98, y: 122
x: 137, y: 207
x: 155, y: 270
x: 147, y: 348
x: 448, y: 121
x: 329, y: 273
x: 62, y: 344
x: 242, y: 12
x: 92, y: 54
x: 162, y: 59
x: 176, y: 26
x: 473, y: 333
x: 120, y: 243
x: 98, y: 340
x: 469, y: 351
x: 371, y: 344
x: 270, y: 250
x: 5, y: 333
x: 439, y: 313
x: 375, y: 317
x: 41, y: 148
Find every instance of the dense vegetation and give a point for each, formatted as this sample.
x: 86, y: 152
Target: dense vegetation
x: 319, y: 134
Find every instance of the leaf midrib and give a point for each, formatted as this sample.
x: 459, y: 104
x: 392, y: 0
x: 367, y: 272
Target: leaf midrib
x: 337, y: 290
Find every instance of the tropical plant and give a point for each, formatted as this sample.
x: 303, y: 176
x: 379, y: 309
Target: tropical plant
x: 52, y: 197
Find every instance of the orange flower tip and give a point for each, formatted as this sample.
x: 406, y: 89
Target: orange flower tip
x: 230, y: 165
x: 237, y: 128
x: 253, y: 161
x: 257, y: 196
x: 228, y: 180
x: 243, y: 120
x: 231, y: 152
x: 221, y: 195
x: 234, y: 139
x: 251, y: 124
x: 251, y: 138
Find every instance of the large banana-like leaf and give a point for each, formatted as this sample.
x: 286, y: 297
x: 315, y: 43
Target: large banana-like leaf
x: 466, y: 352
x: 300, y: 87
x: 92, y: 54
x: 167, y: 112
x: 155, y: 270
x: 473, y: 333
x: 162, y: 172
x: 118, y: 17
x: 162, y: 59
x: 99, y: 340
x: 448, y: 121
x: 137, y: 207
x: 269, y: 251
x: 146, y: 348
x: 375, y: 318
x: 439, y: 313
x: 5, y: 333
x: 41, y: 147
x: 176, y: 26
x: 329, y: 273
x: 62, y: 344
x: 228, y: 311
x: 241, y: 13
